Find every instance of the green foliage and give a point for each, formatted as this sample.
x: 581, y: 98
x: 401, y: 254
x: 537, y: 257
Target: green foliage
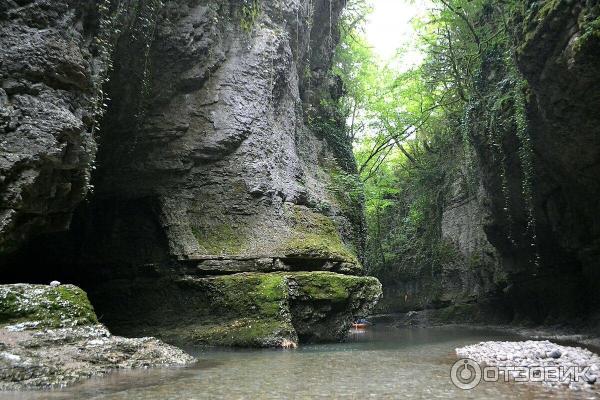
x: 418, y: 129
x: 327, y: 122
x: 249, y: 14
x: 138, y: 20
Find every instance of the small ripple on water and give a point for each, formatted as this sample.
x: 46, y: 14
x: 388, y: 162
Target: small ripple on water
x: 381, y: 363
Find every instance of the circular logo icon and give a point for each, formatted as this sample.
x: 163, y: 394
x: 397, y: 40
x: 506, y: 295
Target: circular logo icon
x: 465, y: 374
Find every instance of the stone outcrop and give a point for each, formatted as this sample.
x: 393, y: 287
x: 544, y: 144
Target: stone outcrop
x: 50, y: 337
x: 471, y: 276
x: 244, y: 309
x: 219, y: 169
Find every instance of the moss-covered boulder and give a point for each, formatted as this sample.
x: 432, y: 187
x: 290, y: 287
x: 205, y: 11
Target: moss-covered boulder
x: 41, y: 306
x: 324, y: 304
x: 276, y: 309
x: 280, y: 309
x: 50, y: 338
x: 248, y: 309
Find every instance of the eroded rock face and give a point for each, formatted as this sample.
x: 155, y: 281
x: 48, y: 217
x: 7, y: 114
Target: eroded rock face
x: 220, y: 169
x: 558, y: 55
x: 470, y: 275
x: 49, y: 73
x: 50, y: 337
x: 547, y: 274
x: 224, y: 159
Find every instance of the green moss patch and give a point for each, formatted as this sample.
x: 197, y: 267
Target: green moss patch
x: 247, y: 294
x: 271, y: 309
x: 324, y: 304
x: 44, y: 306
x: 315, y: 236
x: 247, y: 310
x: 329, y: 286
x: 246, y: 332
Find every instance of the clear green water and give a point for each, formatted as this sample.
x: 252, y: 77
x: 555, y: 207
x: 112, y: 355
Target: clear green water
x: 409, y: 363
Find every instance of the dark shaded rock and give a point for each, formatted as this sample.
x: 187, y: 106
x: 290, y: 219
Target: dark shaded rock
x: 209, y: 163
x: 247, y: 309
x: 50, y: 72
x: 534, y: 254
x: 553, y: 273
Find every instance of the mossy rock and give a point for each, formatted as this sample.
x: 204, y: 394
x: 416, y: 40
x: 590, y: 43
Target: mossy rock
x: 334, y: 287
x: 315, y: 236
x: 324, y: 304
x: 243, y: 310
x: 221, y: 239
x: 269, y: 309
x: 248, y: 332
x: 248, y: 294
x: 41, y: 306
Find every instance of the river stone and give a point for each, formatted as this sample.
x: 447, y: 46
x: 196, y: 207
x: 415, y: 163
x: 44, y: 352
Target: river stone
x: 44, y: 306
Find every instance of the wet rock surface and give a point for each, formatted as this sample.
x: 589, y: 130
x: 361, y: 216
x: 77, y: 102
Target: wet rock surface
x: 50, y: 337
x: 538, y: 354
x: 49, y: 358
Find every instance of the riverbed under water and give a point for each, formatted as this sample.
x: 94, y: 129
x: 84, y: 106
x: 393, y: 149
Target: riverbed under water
x: 381, y: 363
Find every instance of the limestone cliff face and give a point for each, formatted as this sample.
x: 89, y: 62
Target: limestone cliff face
x: 217, y: 156
x: 217, y: 149
x: 472, y: 271
x: 50, y: 68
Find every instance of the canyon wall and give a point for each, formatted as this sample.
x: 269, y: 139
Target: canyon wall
x: 219, y: 182
x: 50, y: 72
x: 526, y: 232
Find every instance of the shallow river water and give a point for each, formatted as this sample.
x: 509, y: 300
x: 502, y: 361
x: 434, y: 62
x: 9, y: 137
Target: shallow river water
x: 381, y: 363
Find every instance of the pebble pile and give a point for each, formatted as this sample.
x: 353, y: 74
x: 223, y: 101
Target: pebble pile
x: 534, y: 354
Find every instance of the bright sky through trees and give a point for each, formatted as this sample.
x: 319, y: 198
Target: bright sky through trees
x: 389, y: 28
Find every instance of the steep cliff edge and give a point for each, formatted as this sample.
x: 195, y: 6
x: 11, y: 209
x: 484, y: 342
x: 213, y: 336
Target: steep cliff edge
x: 217, y: 156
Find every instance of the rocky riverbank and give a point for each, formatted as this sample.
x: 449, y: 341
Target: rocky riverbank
x: 538, y: 355
x: 50, y: 337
